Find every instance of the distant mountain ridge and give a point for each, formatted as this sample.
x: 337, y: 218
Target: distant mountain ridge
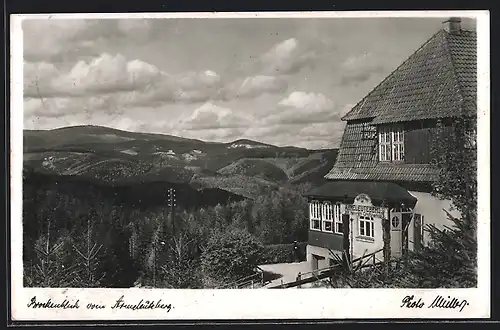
x: 244, y: 167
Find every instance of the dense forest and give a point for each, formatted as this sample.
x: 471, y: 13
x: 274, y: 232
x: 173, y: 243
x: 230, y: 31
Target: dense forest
x: 82, y: 233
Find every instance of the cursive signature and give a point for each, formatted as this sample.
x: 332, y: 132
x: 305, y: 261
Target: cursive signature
x: 438, y: 302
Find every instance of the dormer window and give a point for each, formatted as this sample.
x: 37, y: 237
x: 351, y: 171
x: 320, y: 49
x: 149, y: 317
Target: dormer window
x: 391, y: 143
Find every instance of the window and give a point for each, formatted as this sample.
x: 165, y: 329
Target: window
x: 366, y: 226
x: 339, y: 224
x: 391, y: 143
x: 395, y: 223
x: 384, y: 138
x: 315, y: 215
x: 328, y: 217
x: 398, y: 144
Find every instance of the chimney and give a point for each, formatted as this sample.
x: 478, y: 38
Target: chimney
x: 453, y: 25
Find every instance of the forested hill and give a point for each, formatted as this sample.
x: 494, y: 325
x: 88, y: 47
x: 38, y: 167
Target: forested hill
x: 242, y: 167
x: 143, y: 195
x: 102, y: 195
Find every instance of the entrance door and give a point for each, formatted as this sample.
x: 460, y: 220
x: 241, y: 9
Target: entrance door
x: 396, y: 237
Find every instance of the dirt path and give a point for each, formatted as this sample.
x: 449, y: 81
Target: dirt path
x: 288, y: 271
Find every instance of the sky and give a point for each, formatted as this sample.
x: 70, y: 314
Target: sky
x: 283, y: 81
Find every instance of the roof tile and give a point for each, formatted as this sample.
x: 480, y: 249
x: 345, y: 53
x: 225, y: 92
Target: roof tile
x: 437, y: 81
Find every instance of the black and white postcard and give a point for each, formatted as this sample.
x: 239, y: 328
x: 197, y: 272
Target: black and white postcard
x: 210, y: 166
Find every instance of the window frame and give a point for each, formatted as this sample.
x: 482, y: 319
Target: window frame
x: 327, y: 216
x: 315, y: 215
x: 384, y: 140
x: 338, y: 222
x: 398, y: 144
x: 366, y: 220
x: 391, y: 143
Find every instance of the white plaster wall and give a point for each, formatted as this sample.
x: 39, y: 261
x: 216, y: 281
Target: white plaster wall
x: 432, y: 210
x: 360, y: 245
x: 322, y: 252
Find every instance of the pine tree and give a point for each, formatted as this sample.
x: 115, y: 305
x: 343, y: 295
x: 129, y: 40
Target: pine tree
x: 52, y: 266
x: 87, y: 255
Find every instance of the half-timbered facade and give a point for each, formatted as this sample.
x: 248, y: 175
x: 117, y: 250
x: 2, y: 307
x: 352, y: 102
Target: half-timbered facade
x: 384, y: 168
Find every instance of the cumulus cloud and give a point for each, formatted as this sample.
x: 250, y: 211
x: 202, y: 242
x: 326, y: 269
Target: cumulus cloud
x: 357, y: 69
x: 52, y: 40
x: 106, y: 74
x: 59, y: 40
x: 253, y: 86
x: 211, y: 116
x: 300, y: 107
x: 142, y: 83
x: 286, y: 57
x: 302, y: 100
x: 55, y: 107
x: 37, y: 78
x: 135, y: 28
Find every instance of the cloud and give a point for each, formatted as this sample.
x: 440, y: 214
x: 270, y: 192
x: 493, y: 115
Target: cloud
x: 135, y: 28
x: 138, y: 83
x: 38, y: 78
x: 62, y: 40
x: 301, y: 100
x: 56, y: 107
x: 302, y: 108
x: 357, y: 69
x: 251, y: 87
x: 211, y: 116
x: 106, y: 74
x: 53, y: 40
x: 286, y: 57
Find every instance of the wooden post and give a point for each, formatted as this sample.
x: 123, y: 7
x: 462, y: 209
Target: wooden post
x: 346, y: 256
x: 386, y: 225
x: 417, y: 232
x: 299, y: 276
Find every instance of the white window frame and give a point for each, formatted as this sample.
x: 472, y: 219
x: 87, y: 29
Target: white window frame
x: 391, y: 143
x: 315, y: 215
x: 384, y: 144
x: 327, y: 216
x: 398, y: 143
x: 365, y: 222
x: 338, y: 220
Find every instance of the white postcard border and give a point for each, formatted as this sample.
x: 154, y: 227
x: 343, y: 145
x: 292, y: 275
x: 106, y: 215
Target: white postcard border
x: 252, y: 304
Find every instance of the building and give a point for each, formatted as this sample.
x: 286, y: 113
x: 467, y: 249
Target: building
x: 383, y: 169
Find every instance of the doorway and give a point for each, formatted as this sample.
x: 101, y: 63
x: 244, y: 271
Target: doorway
x: 396, y: 234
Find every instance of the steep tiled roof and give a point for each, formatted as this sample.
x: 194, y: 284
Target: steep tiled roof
x: 358, y: 160
x: 437, y: 81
